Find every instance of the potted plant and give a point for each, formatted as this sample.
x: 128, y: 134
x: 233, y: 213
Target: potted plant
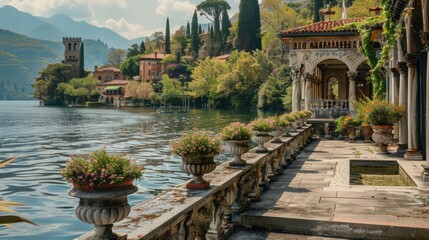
x: 261, y: 128
x: 341, y: 127
x: 304, y: 114
x: 278, y: 130
x: 102, y: 182
x: 362, y: 107
x: 291, y: 119
x: 237, y: 137
x: 197, y: 149
x: 351, y: 123
x: 297, y: 116
x: 382, y: 116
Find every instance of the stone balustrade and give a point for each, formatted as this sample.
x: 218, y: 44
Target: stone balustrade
x: 181, y: 213
x: 325, y: 108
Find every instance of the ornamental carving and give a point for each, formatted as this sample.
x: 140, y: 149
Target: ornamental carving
x: 424, y: 36
x: 352, y: 75
x: 412, y: 60
x: 402, y: 67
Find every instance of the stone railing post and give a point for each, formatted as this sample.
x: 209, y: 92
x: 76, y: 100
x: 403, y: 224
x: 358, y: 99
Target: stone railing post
x: 296, y: 89
x: 352, y: 88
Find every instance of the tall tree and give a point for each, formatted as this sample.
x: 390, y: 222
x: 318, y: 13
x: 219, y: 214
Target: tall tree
x: 200, y: 29
x: 116, y: 57
x: 195, y: 41
x: 212, y: 10
x: 134, y: 50
x: 82, y: 61
x: 188, y: 30
x: 142, y: 48
x: 317, y: 5
x: 167, y: 37
x: 130, y: 67
x: 226, y: 25
x: 249, y: 26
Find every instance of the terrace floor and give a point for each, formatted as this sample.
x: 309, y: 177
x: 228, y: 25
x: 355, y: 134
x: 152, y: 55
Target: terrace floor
x: 313, y: 197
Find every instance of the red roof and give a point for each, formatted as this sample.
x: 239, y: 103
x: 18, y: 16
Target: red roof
x: 108, y: 69
x: 155, y: 56
x: 115, y: 82
x: 323, y: 27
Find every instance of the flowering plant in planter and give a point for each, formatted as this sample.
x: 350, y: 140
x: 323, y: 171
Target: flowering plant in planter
x: 288, y: 117
x: 196, y: 142
x: 307, y: 113
x: 100, y: 170
x: 296, y: 115
x: 344, y: 122
x: 303, y: 114
x: 236, y: 131
x: 262, y: 125
x: 383, y: 113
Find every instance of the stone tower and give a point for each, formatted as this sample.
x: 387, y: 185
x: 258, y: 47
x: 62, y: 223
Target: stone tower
x: 72, y: 53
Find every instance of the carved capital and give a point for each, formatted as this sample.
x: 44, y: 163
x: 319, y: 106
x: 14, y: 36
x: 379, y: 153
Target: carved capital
x: 309, y: 77
x: 424, y: 36
x: 412, y: 60
x: 295, y: 73
x: 352, y: 75
x: 395, y: 72
x: 402, y: 67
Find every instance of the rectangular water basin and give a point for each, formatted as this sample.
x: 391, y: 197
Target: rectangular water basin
x: 378, y: 173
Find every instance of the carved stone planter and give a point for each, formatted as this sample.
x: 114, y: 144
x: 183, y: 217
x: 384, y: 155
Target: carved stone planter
x: 383, y: 136
x: 276, y: 134
x: 198, y: 165
x: 103, y: 209
x: 287, y: 129
x: 293, y: 126
x: 261, y: 138
x: 238, y: 148
x: 299, y: 123
x: 352, y: 134
x: 367, y: 133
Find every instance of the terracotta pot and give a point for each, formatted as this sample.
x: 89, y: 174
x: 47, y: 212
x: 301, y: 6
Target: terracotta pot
x: 367, y: 132
x: 383, y: 136
x: 261, y: 138
x: 197, y: 165
x: 238, y: 148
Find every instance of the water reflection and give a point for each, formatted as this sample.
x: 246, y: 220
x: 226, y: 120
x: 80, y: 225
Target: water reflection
x: 43, y: 137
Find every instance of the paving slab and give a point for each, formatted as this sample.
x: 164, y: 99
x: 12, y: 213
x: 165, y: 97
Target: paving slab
x: 314, y: 197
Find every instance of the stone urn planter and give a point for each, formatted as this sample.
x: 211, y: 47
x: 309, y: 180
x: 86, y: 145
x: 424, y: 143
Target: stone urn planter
x: 367, y: 133
x: 261, y: 138
x: 287, y: 129
x: 383, y: 136
x: 238, y: 148
x: 278, y: 131
x: 294, y: 125
x: 103, y: 208
x: 197, y: 165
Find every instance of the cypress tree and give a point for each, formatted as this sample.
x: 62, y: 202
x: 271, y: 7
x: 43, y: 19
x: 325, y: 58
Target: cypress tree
x: 142, y: 48
x: 188, y: 30
x: 195, y: 41
x: 82, y: 62
x: 167, y: 37
x: 317, y: 5
x: 249, y: 26
x: 226, y: 24
x: 200, y: 29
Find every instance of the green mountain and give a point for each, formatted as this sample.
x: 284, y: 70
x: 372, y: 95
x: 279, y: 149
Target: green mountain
x: 22, y: 57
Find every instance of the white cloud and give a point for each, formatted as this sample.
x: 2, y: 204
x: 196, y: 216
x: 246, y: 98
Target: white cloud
x: 126, y: 29
x: 170, y: 7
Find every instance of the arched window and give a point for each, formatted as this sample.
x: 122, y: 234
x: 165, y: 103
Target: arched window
x: 75, y: 46
x: 69, y: 46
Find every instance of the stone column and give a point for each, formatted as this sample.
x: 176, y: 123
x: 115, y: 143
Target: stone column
x: 425, y: 41
x: 296, y: 89
x: 413, y: 152
x: 308, y: 90
x: 395, y: 97
x: 403, y: 99
x: 352, y: 89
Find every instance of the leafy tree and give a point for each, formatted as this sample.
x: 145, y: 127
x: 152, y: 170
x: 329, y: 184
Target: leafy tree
x: 212, y: 9
x: 169, y: 59
x: 195, y: 41
x: 145, y: 90
x: 179, y: 71
x: 149, y: 45
x: 180, y: 43
x: 79, y: 89
x: 159, y: 39
x: 171, y: 85
x: 275, y: 93
x: 130, y: 67
x: 116, y: 57
x: 167, y: 37
x: 82, y: 61
x: 134, y: 50
x: 45, y: 87
x: 142, y: 48
x: 249, y: 26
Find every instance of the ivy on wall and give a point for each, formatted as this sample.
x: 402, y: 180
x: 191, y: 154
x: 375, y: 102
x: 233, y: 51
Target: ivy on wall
x: 390, y: 33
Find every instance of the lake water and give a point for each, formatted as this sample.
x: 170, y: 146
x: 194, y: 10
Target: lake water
x: 43, y: 137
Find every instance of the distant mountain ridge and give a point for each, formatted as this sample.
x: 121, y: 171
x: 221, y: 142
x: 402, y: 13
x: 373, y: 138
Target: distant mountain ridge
x: 58, y: 26
x: 22, y: 57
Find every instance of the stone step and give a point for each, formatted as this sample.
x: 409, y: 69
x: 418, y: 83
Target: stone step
x: 258, y: 219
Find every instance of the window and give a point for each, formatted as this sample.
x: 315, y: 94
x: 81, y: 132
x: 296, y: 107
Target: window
x: 99, y: 78
x: 148, y: 73
x: 158, y: 63
x: 116, y: 77
x: 69, y: 46
x: 158, y: 73
x: 75, y: 46
x: 149, y: 63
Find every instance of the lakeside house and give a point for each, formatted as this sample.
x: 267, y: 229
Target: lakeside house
x: 112, y: 92
x: 151, y: 67
x: 107, y: 74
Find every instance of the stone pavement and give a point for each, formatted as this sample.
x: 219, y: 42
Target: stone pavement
x: 313, y: 197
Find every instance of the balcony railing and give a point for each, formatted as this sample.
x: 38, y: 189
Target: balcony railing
x: 325, y: 108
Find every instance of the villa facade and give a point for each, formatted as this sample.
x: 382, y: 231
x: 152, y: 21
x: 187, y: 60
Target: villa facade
x: 107, y: 74
x: 151, y: 67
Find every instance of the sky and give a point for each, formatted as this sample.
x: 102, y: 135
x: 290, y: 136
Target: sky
x: 129, y: 18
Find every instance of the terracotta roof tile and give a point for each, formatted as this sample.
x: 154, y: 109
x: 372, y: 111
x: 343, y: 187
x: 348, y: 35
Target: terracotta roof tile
x: 115, y: 82
x: 109, y: 69
x: 152, y: 56
x: 324, y: 26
